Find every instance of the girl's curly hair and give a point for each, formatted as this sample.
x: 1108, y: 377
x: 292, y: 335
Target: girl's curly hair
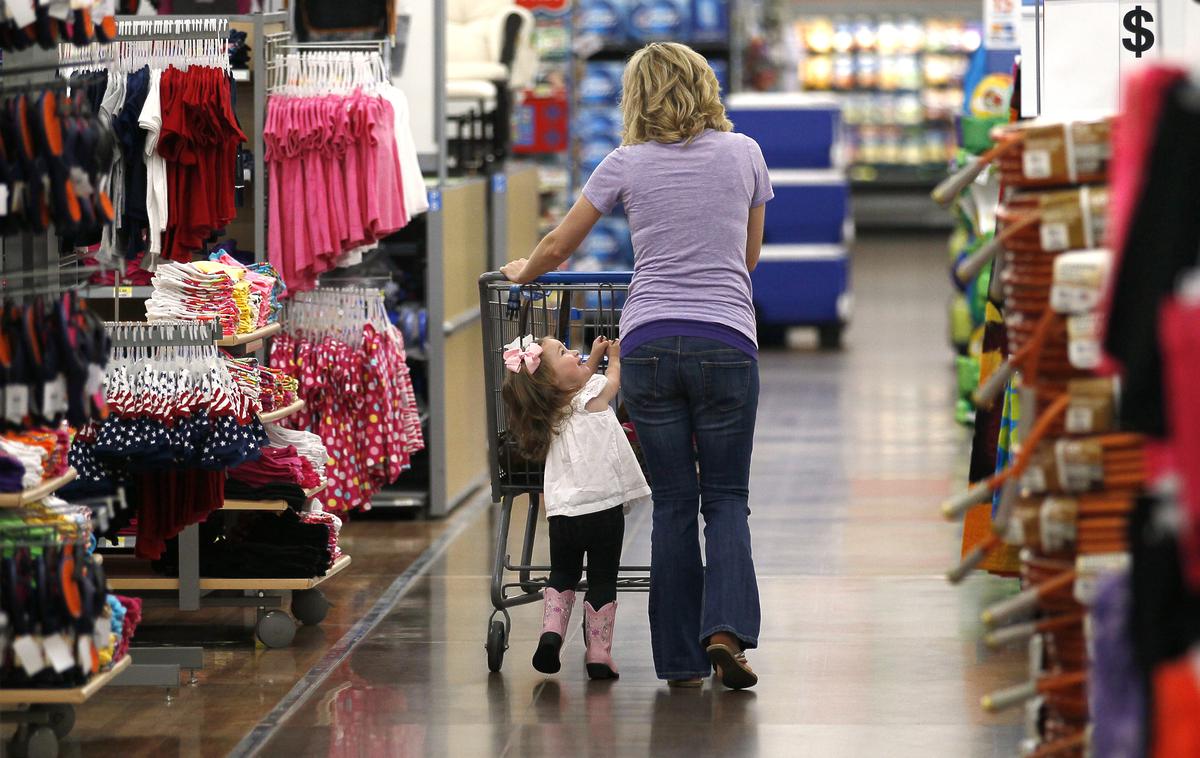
x: 535, y: 409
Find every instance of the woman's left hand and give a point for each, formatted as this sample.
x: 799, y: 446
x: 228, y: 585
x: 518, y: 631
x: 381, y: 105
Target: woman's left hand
x: 514, y: 270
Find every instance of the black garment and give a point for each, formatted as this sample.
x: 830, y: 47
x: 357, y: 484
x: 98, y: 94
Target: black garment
x: 599, y: 535
x: 1163, y: 239
x: 293, y: 494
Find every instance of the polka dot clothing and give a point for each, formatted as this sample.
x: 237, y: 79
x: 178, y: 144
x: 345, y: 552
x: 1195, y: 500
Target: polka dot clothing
x: 360, y: 401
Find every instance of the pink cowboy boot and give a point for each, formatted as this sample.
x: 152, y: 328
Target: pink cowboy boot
x: 556, y: 612
x: 598, y: 637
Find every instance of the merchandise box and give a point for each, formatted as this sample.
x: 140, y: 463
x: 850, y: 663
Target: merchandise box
x: 601, y: 83
x: 710, y: 21
x: 593, y: 151
x: 609, y: 245
x: 794, y: 130
x: 596, y: 122
x: 810, y: 207
x: 800, y: 285
x: 606, y: 19
x: 660, y: 20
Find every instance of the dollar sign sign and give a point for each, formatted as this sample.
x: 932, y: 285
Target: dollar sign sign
x: 1135, y: 21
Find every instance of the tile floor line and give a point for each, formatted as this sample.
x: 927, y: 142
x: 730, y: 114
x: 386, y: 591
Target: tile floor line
x: 312, y: 680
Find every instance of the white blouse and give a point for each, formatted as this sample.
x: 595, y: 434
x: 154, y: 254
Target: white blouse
x: 590, y: 466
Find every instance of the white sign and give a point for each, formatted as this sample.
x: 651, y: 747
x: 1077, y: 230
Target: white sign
x: 1089, y: 47
x: 1001, y: 24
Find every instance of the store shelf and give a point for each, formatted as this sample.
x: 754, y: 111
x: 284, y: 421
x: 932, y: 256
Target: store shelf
x: 619, y: 51
x: 72, y: 696
x: 250, y: 340
x: 400, y: 499
x: 269, y: 505
x: 124, y: 292
x: 282, y: 413
x: 148, y: 583
x: 17, y: 499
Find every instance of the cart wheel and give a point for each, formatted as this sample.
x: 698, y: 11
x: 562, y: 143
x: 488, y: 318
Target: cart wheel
x: 62, y: 718
x: 829, y: 336
x: 310, y: 607
x: 497, y: 643
x: 275, y: 629
x: 42, y: 743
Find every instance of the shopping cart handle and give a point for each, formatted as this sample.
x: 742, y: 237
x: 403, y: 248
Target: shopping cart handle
x: 570, y: 277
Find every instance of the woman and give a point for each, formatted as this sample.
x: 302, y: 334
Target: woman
x: 694, y: 193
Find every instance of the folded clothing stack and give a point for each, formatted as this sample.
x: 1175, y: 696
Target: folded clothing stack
x: 247, y: 375
x: 277, y: 465
x: 277, y: 389
x: 267, y: 545
x: 134, y: 274
x: 292, y: 494
x: 330, y: 521
x: 306, y: 444
x: 200, y: 291
x: 23, y: 467
x: 265, y: 286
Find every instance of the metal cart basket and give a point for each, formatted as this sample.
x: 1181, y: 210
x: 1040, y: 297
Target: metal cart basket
x: 575, y: 308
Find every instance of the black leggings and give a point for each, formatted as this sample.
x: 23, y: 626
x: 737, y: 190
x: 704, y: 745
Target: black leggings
x: 599, y: 535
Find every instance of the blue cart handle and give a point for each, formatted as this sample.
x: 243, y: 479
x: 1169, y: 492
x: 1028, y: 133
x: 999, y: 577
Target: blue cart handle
x: 572, y: 277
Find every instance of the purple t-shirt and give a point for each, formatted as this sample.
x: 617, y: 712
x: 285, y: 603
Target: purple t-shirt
x: 688, y: 205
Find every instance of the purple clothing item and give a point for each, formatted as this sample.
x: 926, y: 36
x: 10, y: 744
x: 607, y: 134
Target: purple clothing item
x: 688, y: 205
x: 1117, y: 700
x: 679, y: 328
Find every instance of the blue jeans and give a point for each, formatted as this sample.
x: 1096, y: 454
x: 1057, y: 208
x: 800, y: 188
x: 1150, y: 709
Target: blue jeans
x: 694, y: 400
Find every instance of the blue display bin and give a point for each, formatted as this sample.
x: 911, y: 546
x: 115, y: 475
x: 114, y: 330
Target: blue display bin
x: 810, y: 207
x: 794, y: 130
x: 802, y: 285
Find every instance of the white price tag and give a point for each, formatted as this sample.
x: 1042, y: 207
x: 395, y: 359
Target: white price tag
x: 83, y: 653
x: 1055, y: 236
x: 58, y: 652
x: 29, y: 654
x: 1080, y: 420
x: 3, y: 200
x: 1034, y: 479
x: 95, y: 380
x: 1036, y: 164
x: 16, y: 402
x: 54, y: 396
x: 102, y: 632
x: 22, y: 12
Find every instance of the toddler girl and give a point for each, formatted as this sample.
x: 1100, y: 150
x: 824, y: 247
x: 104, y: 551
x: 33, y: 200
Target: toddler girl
x: 559, y: 410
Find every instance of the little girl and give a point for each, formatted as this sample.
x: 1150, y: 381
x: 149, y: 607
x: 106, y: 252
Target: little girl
x: 559, y: 410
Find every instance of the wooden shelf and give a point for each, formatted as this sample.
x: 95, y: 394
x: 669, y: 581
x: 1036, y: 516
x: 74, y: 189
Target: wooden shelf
x: 251, y: 341
x: 147, y: 583
x: 17, y: 499
x: 268, y: 505
x: 282, y: 413
x: 73, y: 696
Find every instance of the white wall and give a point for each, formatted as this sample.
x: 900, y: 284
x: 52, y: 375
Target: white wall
x: 417, y: 81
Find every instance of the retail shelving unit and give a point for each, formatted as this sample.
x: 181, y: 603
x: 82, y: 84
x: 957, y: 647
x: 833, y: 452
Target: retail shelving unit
x: 46, y: 716
x: 34, y: 494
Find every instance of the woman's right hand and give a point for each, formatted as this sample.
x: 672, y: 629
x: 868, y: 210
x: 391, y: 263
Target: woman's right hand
x: 515, y: 270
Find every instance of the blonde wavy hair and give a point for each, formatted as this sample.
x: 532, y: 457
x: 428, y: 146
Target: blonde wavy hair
x: 670, y: 94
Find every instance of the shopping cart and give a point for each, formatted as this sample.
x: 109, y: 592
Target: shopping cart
x: 574, y: 307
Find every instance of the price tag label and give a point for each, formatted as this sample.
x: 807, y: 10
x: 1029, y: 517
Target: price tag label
x: 124, y: 292
x: 1055, y: 236
x: 1035, y: 164
x: 29, y: 654
x: 16, y: 402
x: 58, y: 652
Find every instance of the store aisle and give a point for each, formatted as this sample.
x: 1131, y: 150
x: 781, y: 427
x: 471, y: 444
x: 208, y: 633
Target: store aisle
x: 866, y: 651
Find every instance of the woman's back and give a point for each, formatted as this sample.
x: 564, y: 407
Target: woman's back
x: 687, y: 205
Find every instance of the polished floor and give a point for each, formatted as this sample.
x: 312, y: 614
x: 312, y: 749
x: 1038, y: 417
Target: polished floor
x: 865, y: 650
